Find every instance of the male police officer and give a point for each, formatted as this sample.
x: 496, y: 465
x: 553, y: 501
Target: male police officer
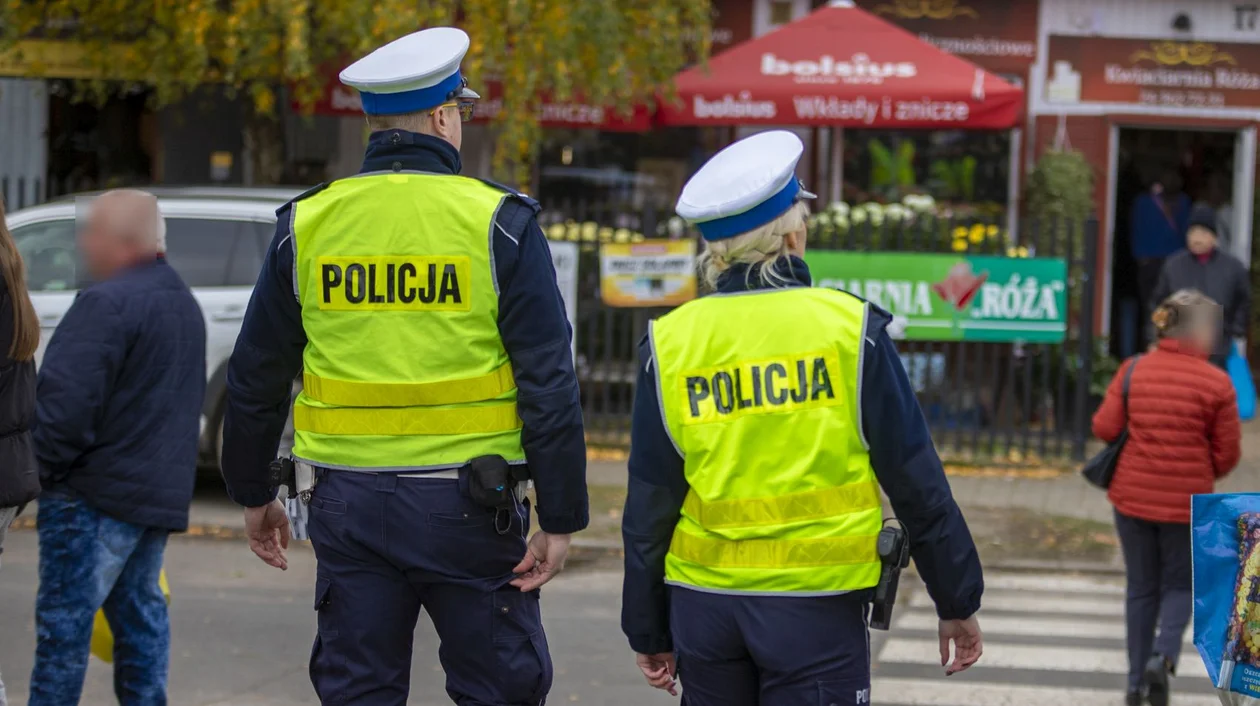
x: 766, y: 418
x: 423, y: 310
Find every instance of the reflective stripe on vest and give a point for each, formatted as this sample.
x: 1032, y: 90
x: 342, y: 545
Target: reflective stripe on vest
x: 759, y: 392
x: 348, y: 421
x: 774, y: 553
x: 404, y: 367
x: 404, y: 394
x: 783, y: 509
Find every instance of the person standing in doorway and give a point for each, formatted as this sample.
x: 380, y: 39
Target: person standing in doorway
x: 1157, y: 230
x: 117, y: 421
x: 1205, y: 267
x: 19, y: 338
x: 1217, y: 197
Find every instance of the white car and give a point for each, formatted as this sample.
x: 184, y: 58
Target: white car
x: 215, y: 239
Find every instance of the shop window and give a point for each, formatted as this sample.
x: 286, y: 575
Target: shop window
x: 780, y: 12
x: 586, y: 169
x: 964, y: 170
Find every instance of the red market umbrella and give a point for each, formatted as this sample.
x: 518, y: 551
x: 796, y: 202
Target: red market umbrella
x: 842, y: 67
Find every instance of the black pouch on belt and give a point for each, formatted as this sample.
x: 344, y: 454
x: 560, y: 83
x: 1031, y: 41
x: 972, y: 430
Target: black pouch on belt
x: 490, y: 482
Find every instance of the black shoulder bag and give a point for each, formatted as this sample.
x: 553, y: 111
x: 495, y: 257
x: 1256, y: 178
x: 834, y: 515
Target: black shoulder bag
x: 1100, y: 469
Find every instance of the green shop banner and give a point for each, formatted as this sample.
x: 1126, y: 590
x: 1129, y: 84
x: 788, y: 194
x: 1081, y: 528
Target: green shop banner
x: 945, y: 297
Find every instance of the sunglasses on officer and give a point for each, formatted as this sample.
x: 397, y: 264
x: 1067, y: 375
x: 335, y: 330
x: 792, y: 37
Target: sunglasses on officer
x: 463, y: 98
x: 467, y: 109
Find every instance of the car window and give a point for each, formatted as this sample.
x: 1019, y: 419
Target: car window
x: 48, y: 250
x: 200, y: 249
x: 247, y: 256
x: 264, y: 233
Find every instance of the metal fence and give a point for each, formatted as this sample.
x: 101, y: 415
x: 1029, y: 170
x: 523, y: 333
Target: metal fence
x: 1017, y: 401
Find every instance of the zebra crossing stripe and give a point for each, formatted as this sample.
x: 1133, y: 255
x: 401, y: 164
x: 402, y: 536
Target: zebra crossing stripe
x: 1008, y: 656
x: 1053, y: 584
x: 917, y: 692
x: 1032, y: 604
x: 995, y: 626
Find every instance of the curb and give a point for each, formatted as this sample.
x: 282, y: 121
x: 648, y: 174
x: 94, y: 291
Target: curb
x: 1029, y: 566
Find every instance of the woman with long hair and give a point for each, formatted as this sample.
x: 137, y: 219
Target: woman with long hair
x: 1184, y: 435
x: 19, y: 339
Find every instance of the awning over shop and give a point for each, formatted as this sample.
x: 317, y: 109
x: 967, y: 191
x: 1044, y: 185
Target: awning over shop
x: 842, y: 67
x: 343, y: 100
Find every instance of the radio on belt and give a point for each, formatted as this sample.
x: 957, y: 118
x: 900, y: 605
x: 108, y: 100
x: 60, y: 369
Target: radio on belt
x: 893, y: 547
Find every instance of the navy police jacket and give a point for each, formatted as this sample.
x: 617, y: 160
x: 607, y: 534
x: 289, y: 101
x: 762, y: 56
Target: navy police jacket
x: 902, y: 454
x: 532, y: 323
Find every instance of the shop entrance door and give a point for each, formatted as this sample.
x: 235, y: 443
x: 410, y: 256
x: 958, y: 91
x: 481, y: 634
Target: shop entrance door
x: 1158, y: 175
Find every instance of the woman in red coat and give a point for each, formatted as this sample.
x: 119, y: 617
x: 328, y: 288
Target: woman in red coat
x: 1184, y: 433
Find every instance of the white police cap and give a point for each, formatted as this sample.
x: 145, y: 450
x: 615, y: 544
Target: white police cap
x: 417, y: 72
x: 745, y: 186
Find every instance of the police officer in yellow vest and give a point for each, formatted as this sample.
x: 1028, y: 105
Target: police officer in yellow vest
x: 422, y: 310
x: 767, y: 416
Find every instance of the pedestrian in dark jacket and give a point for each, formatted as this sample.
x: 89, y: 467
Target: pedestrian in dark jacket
x: 1184, y: 434
x: 1204, y: 267
x: 19, y: 337
x: 117, y: 421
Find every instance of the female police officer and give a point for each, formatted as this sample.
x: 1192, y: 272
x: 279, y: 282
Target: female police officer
x: 765, y: 417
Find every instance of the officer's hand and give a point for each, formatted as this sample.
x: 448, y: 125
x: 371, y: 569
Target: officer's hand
x: 968, y: 643
x: 659, y: 670
x: 544, y: 558
x: 268, y: 530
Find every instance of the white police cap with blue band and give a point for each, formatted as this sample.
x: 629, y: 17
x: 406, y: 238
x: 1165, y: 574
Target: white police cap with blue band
x: 745, y: 186
x: 417, y: 72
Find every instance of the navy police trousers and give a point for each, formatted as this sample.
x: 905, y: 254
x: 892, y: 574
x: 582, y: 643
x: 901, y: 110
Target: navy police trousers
x: 388, y: 546
x: 771, y: 650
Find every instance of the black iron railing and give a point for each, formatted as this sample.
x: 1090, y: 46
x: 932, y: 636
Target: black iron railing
x: 1010, y: 400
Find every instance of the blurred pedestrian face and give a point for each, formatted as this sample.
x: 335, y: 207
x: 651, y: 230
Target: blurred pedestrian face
x: 1205, y: 325
x: 1204, y: 336
x: 117, y: 233
x: 1200, y: 240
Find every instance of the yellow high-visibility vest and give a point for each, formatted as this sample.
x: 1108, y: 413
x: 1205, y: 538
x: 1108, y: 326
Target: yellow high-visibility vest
x: 404, y: 367
x: 760, y: 394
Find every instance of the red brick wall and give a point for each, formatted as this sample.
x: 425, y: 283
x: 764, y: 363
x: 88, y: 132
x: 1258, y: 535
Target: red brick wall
x: 1090, y: 136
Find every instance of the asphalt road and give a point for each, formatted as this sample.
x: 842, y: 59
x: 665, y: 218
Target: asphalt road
x: 242, y: 631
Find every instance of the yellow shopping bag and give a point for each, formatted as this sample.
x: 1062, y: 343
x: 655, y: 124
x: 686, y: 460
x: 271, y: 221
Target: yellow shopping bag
x: 103, y: 639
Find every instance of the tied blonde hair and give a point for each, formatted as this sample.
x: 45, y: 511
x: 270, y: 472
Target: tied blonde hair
x: 1178, y: 315
x: 765, y: 246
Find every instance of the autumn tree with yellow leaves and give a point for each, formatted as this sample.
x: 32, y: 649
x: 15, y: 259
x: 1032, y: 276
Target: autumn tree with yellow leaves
x: 610, y: 52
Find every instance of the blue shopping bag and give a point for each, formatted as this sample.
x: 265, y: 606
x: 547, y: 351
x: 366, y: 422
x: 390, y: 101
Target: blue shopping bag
x: 1244, y: 385
x: 1226, y: 555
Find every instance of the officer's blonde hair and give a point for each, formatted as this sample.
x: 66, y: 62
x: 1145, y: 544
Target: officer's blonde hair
x: 766, y: 245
